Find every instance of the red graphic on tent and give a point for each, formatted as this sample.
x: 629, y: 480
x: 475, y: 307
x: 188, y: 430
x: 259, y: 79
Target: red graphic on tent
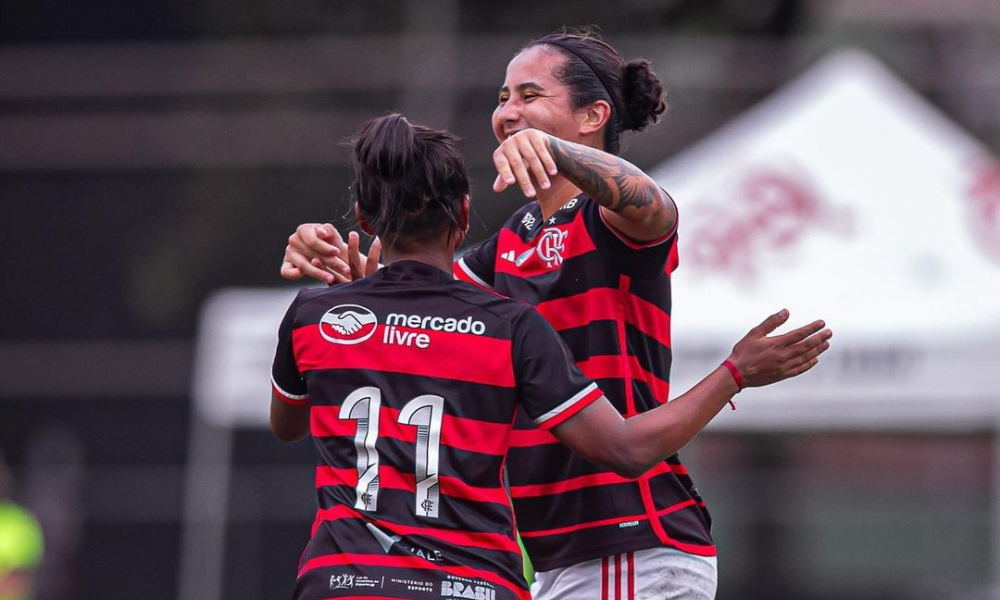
x: 769, y: 211
x: 984, y: 200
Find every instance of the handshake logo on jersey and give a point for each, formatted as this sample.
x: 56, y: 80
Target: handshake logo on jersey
x: 350, y: 324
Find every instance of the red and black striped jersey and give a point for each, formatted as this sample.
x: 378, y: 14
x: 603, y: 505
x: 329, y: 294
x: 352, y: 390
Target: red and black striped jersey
x: 413, y: 380
x: 609, y: 299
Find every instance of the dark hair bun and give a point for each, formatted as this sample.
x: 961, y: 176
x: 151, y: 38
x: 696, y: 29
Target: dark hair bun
x: 387, y: 151
x: 386, y: 146
x: 643, y: 95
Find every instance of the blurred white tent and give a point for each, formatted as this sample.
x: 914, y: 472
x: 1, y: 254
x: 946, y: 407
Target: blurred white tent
x: 845, y: 196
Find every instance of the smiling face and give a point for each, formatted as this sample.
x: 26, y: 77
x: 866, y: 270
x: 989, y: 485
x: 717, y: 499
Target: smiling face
x: 532, y: 97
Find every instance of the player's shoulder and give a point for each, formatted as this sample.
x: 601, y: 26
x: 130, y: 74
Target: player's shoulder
x: 508, y: 309
x: 327, y: 295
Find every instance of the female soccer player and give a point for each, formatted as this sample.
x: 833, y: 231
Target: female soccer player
x: 593, y: 253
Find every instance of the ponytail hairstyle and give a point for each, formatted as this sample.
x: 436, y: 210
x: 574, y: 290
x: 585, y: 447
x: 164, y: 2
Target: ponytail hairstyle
x: 595, y: 71
x: 409, y: 180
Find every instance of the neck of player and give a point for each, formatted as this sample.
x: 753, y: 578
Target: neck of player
x: 438, y: 253
x: 559, y: 193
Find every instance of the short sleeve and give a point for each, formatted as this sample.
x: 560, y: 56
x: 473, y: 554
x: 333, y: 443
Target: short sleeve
x: 286, y: 380
x: 550, y: 385
x: 477, y: 266
x: 636, y: 259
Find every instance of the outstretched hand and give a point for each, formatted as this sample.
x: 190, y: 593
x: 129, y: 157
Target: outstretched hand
x: 764, y: 360
x: 319, y: 251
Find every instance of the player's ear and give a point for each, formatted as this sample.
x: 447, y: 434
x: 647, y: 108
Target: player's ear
x: 594, y: 117
x: 463, y: 215
x: 361, y: 221
x: 458, y: 234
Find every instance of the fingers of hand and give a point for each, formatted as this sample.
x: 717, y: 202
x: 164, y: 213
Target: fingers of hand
x: 354, y: 255
x: 342, y: 278
x: 531, y: 148
x: 305, y: 236
x: 337, y: 240
x: 805, y: 354
x: 315, y: 269
x: 509, y: 160
x: 298, y: 265
x: 374, y: 254
x: 499, y: 184
x: 797, y: 335
x: 771, y: 323
x: 544, y: 153
x: 800, y: 369
x: 328, y: 232
x: 290, y: 271
x: 769, y: 361
x: 520, y: 171
x: 308, y: 243
x: 505, y: 177
x: 331, y: 265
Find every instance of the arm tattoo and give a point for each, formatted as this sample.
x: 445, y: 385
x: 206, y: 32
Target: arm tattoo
x: 610, y: 181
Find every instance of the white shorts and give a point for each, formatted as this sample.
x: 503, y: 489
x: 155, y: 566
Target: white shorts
x: 657, y: 573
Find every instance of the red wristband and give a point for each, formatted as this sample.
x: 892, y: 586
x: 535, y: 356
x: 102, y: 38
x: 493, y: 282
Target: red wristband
x: 735, y: 373
x: 736, y: 377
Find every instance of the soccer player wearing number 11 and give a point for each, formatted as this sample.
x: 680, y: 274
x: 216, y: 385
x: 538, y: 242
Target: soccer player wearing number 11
x: 409, y: 382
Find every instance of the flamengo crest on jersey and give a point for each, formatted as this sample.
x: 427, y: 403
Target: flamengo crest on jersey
x: 551, y: 246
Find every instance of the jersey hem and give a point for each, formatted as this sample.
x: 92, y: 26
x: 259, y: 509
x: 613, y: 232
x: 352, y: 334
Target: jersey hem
x: 610, y: 550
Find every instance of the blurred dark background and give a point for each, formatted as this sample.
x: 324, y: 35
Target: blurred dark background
x: 151, y: 153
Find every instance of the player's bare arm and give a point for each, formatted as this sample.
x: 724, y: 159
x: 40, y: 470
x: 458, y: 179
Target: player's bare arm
x: 633, y: 202
x: 289, y: 423
x: 632, y: 446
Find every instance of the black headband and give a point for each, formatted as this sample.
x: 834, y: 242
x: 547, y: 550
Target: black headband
x: 622, y: 116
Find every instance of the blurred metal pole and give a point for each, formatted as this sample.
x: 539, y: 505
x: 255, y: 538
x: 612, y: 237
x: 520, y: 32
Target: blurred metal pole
x: 206, y: 511
x: 995, y: 511
x: 429, y: 48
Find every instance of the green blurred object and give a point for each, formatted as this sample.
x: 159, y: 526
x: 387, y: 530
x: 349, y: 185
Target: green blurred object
x: 529, y: 570
x: 21, y: 543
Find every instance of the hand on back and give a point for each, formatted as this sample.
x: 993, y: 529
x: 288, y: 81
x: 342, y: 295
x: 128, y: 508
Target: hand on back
x: 319, y: 251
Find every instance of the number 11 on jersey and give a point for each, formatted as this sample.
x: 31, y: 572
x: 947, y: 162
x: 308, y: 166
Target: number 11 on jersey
x: 426, y: 414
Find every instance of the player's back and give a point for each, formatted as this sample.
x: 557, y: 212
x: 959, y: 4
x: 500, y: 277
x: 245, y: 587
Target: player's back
x: 411, y: 386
